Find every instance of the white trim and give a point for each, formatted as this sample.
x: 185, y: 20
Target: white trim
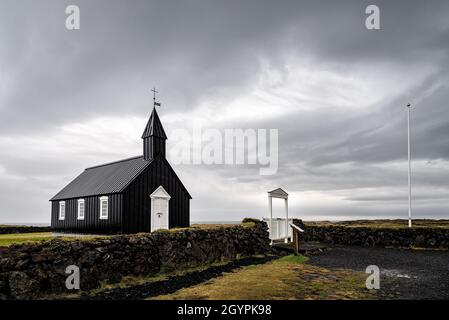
x: 61, y: 210
x: 278, y: 193
x: 104, y: 200
x: 296, y: 227
x: 83, y: 203
x: 159, y: 194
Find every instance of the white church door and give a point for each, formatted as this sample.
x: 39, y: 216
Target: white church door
x: 159, y: 209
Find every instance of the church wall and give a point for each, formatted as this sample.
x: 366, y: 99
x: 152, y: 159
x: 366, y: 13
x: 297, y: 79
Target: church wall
x: 92, y: 222
x: 137, y: 201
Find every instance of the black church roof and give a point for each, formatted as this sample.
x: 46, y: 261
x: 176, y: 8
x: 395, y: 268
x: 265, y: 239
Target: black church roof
x: 107, y: 178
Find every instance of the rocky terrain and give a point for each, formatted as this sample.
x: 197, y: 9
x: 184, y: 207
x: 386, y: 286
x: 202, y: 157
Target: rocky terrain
x: 31, y: 270
x: 418, y: 237
x: 404, y: 273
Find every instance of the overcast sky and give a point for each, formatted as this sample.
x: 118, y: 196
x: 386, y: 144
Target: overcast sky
x: 335, y: 91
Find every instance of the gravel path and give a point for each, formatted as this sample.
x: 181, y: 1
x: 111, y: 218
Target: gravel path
x: 405, y: 274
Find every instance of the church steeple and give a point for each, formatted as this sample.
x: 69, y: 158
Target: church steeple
x: 154, y: 135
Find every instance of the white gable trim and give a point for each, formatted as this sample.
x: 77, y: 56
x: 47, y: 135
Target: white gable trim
x: 160, y: 192
x: 278, y: 193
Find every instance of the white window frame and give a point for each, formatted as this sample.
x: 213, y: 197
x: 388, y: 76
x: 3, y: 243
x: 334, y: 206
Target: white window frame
x: 102, y: 200
x: 61, y: 212
x: 81, y: 217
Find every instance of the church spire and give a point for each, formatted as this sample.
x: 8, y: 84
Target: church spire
x: 154, y: 135
x: 154, y: 127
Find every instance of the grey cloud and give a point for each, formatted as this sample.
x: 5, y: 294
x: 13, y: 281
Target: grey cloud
x: 190, y: 49
x: 200, y: 50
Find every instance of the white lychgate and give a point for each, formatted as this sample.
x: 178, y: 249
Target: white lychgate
x: 159, y: 209
x: 278, y: 193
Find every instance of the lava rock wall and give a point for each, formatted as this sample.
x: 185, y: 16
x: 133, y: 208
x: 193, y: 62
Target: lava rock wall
x: 30, y: 271
x: 382, y: 237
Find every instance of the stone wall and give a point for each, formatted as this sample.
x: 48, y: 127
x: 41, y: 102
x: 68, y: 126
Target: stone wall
x: 383, y: 237
x: 23, y: 229
x: 31, y: 270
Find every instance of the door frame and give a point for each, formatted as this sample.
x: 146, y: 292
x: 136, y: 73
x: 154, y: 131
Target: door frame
x: 159, y: 193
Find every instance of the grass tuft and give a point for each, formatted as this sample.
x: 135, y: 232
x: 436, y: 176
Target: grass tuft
x: 292, y: 259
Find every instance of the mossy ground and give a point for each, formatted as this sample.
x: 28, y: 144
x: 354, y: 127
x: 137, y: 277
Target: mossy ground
x: 18, y: 238
x: 287, y: 278
x: 385, y: 223
x: 196, y: 226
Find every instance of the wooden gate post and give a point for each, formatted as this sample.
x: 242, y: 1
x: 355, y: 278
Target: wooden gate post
x: 296, y: 231
x: 296, y: 241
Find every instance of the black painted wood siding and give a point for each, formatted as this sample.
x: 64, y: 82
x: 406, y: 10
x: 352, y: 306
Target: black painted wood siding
x: 92, y: 222
x: 137, y: 201
x: 152, y: 146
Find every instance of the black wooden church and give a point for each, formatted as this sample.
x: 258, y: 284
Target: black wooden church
x: 139, y: 194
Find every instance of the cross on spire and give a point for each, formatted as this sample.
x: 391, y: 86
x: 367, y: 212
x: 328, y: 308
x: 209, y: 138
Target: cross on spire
x: 154, y: 98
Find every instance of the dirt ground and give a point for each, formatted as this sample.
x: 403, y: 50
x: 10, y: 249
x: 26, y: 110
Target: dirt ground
x: 405, y: 273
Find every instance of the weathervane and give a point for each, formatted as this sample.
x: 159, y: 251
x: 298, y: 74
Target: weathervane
x: 154, y: 98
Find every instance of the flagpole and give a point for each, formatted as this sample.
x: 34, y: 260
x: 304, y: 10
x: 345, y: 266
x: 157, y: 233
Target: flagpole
x: 409, y: 170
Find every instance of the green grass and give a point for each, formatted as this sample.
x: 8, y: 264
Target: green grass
x: 287, y: 278
x: 292, y: 259
x: 196, y: 226
x: 18, y: 238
